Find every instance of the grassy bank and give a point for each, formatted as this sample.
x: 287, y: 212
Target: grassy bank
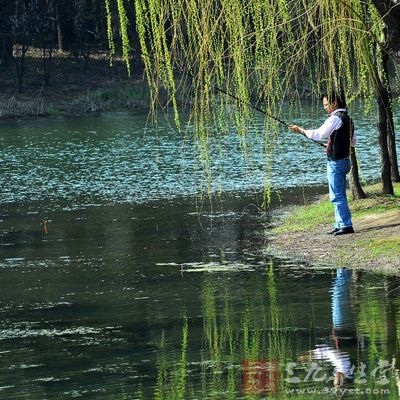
x: 376, y: 244
x: 130, y: 96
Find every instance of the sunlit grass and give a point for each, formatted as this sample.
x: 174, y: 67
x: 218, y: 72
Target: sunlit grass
x: 13, y: 107
x: 307, y: 217
x: 112, y: 97
x: 310, y: 216
x: 383, y: 247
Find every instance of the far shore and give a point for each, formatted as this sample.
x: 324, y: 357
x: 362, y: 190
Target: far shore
x: 110, y: 96
x: 74, y: 87
x: 77, y: 87
x: 301, y: 233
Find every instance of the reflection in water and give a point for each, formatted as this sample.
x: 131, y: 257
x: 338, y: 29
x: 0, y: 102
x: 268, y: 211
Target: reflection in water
x: 343, y: 319
x: 241, y: 347
x: 144, y: 302
x: 344, y: 330
x: 343, y: 326
x: 171, y: 382
x: 246, y: 351
x: 340, y: 360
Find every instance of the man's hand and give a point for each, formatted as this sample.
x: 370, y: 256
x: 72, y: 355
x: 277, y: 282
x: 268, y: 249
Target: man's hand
x: 296, y: 129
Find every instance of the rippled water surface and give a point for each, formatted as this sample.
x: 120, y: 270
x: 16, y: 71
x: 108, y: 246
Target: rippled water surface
x: 138, y: 290
x: 112, y: 158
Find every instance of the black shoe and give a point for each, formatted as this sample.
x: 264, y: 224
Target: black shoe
x: 344, y: 231
x: 334, y: 230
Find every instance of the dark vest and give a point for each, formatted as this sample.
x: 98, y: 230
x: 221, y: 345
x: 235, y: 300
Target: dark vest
x: 340, y: 141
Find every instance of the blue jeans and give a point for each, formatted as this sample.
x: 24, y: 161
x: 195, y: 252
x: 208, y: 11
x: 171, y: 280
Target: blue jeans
x: 337, y: 171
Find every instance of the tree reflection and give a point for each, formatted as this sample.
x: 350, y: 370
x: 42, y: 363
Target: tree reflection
x: 258, y: 347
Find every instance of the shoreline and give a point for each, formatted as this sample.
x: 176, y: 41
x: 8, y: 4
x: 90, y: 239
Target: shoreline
x: 300, y: 232
x: 111, y: 96
x: 74, y: 87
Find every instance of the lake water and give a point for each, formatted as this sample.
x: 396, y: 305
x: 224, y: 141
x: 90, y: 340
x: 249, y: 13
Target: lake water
x: 141, y: 289
x: 118, y: 158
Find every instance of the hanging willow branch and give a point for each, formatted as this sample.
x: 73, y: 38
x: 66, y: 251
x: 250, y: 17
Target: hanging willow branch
x: 253, y: 49
x: 124, y: 33
x: 261, y: 51
x: 110, y: 31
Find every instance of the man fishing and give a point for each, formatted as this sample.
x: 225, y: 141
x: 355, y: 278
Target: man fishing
x: 339, y: 128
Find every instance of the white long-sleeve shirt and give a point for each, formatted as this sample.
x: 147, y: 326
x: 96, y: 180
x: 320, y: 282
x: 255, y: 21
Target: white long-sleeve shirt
x: 328, y: 127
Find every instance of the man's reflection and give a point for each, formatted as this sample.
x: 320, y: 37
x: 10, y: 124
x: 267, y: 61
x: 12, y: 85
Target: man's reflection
x: 343, y: 330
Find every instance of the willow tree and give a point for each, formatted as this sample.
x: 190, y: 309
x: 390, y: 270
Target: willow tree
x: 258, y: 51
x: 371, y: 45
x: 389, y: 12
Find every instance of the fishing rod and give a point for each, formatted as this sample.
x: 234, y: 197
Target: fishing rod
x: 218, y: 89
x: 254, y: 107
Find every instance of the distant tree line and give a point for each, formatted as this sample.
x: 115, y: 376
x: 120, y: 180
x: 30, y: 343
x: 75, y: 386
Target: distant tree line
x: 76, y: 26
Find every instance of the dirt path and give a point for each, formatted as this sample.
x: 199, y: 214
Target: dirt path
x: 356, y: 251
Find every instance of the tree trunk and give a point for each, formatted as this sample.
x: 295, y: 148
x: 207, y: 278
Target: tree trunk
x: 382, y: 100
x: 390, y: 13
x: 20, y: 65
x: 357, y: 191
x: 47, y: 59
x: 384, y: 76
x: 391, y: 287
x: 63, y: 10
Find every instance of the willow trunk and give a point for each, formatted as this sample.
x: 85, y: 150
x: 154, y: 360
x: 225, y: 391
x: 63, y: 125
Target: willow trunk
x: 391, y: 136
x: 382, y: 100
x: 390, y: 13
x: 357, y: 191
